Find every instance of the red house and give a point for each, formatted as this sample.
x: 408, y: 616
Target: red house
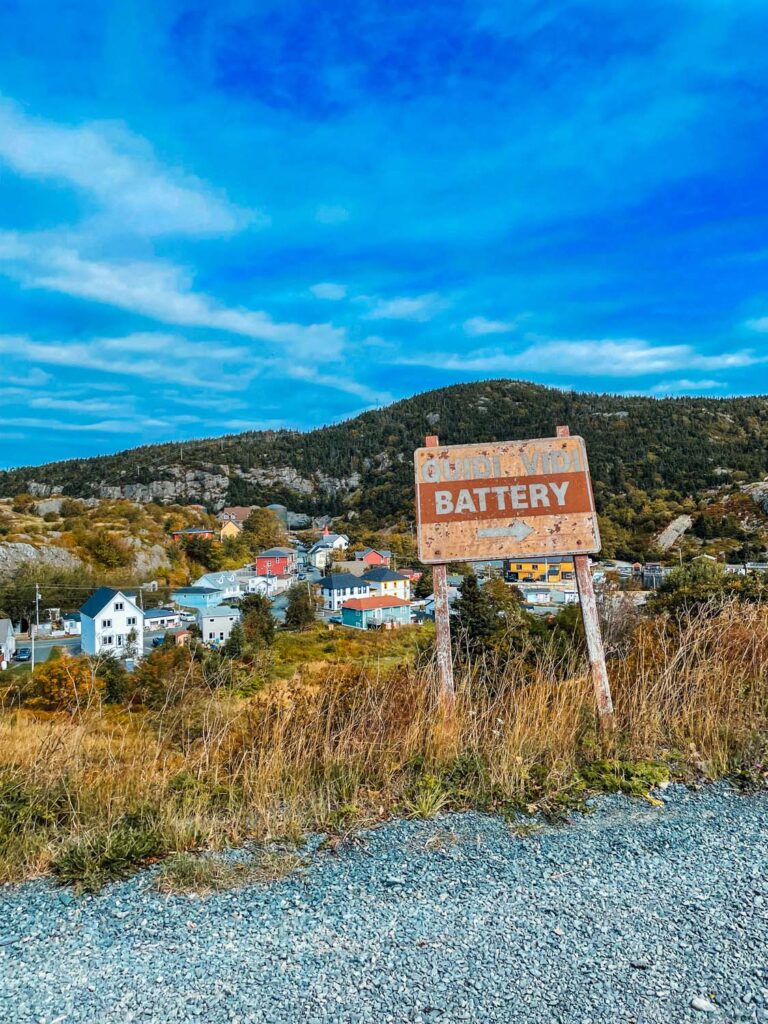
x: 201, y: 532
x: 373, y: 557
x: 275, y: 562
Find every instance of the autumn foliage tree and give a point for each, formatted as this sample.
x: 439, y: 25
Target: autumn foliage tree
x: 66, y: 684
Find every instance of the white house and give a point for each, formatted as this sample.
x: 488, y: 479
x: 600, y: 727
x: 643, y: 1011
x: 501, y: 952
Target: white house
x: 71, y: 623
x: 215, y: 624
x: 7, y: 642
x: 111, y: 623
x: 161, y: 618
x: 329, y: 547
x: 386, y: 582
x: 338, y: 587
x: 227, y: 583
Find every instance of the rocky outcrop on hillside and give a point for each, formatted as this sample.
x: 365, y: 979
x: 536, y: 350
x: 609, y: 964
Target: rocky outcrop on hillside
x: 14, y: 555
x: 672, y: 534
x: 207, y: 486
x: 758, y: 492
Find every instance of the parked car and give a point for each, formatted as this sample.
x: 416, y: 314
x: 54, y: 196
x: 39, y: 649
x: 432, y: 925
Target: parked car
x: 23, y: 654
x: 157, y: 641
x: 336, y: 619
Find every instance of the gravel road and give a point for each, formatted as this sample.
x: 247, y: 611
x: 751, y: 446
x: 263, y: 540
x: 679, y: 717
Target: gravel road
x: 633, y: 913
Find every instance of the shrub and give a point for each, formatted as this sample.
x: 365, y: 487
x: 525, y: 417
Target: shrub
x: 66, y: 684
x: 109, y: 854
x: 108, y: 549
x: 71, y: 508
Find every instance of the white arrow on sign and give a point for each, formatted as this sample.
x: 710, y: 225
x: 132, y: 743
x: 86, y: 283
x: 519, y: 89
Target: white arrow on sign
x: 519, y: 530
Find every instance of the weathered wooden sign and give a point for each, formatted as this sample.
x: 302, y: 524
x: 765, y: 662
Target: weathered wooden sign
x: 504, y: 500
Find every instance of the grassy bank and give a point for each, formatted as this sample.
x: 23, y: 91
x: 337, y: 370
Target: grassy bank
x: 88, y: 796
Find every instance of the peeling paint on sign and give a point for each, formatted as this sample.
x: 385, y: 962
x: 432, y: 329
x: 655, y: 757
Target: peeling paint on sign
x: 505, y: 500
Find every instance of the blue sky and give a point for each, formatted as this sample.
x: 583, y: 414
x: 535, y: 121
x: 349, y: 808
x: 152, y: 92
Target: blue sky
x: 229, y: 216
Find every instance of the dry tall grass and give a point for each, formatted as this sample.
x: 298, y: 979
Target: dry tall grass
x: 356, y: 746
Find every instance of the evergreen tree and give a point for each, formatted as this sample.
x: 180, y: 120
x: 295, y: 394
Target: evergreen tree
x: 300, y: 611
x: 257, y: 620
x: 235, y: 642
x: 423, y: 587
x: 474, y: 618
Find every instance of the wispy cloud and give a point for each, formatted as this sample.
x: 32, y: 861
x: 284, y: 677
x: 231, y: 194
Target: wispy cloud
x: 328, y: 290
x: 478, y: 325
x: 134, y: 425
x: 158, y: 357
x: 119, y: 172
x: 418, y: 307
x: 607, y: 357
x: 668, y: 387
x: 159, y: 290
x: 760, y: 325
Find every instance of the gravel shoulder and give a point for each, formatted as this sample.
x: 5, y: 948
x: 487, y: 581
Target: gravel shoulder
x: 632, y: 913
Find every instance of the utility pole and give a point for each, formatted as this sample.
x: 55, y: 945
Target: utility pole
x: 33, y: 628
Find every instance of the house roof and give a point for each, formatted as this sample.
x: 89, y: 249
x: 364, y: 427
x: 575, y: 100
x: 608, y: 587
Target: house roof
x: 157, y: 613
x: 100, y: 599
x: 340, y: 580
x: 224, y: 611
x: 6, y: 630
x: 367, y: 604
x: 70, y: 617
x: 328, y: 540
x: 237, y: 512
x: 196, y: 590
x: 191, y: 531
x: 276, y: 553
x: 380, y: 573
x: 373, y: 551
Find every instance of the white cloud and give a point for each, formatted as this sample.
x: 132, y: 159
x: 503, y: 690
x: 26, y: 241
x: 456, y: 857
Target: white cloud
x: 760, y: 324
x: 338, y: 383
x: 328, y: 290
x: 162, y: 291
x: 668, y: 387
x: 161, y: 358
x: 81, y: 405
x: 119, y: 173
x: 477, y: 325
x: 418, y: 307
x: 134, y: 425
x: 34, y: 377
x: 608, y: 357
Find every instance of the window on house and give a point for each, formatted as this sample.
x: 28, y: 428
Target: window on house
x: 131, y: 620
x: 107, y: 641
x: 211, y: 636
x: 120, y: 640
x: 119, y: 606
x: 106, y: 623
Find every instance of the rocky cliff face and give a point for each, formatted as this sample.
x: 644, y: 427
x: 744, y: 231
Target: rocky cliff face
x: 13, y: 556
x: 207, y: 486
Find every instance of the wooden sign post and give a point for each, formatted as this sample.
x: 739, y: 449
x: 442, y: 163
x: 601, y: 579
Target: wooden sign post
x: 511, y: 499
x: 442, y: 622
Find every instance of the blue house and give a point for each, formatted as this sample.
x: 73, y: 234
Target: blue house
x: 368, y: 612
x: 197, y: 597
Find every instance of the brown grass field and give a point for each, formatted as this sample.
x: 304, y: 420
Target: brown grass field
x: 88, y: 795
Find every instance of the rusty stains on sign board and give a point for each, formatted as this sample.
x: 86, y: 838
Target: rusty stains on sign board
x: 503, y: 500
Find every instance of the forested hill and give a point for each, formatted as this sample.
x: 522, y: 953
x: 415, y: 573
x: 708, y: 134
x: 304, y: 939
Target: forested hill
x: 668, y: 448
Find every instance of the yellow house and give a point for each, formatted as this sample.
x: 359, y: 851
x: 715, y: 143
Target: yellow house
x: 539, y: 570
x: 229, y: 530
